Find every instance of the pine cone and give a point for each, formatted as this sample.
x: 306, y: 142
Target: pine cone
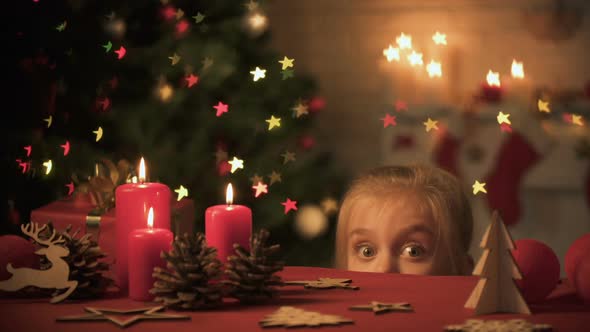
x: 186, y: 283
x: 251, y: 275
x: 84, y: 262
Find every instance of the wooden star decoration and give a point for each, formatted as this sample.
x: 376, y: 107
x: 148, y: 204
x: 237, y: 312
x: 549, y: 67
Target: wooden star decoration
x: 380, y: 307
x: 294, y: 317
x: 480, y: 325
x: 105, y: 314
x: 324, y: 283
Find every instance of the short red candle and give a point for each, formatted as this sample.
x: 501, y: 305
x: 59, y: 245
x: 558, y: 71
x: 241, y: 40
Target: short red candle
x: 228, y: 224
x: 145, y: 248
x: 492, y: 90
x: 132, y: 203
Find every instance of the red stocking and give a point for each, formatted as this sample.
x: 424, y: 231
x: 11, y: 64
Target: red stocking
x: 503, y: 183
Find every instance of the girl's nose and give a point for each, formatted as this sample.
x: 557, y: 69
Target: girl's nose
x: 387, y: 264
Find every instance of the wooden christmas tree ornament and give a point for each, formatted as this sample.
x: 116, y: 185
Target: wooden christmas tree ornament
x: 496, y: 291
x: 55, y: 277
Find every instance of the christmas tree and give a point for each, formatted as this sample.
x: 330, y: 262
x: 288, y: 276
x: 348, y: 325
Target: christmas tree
x: 190, y: 86
x: 496, y: 291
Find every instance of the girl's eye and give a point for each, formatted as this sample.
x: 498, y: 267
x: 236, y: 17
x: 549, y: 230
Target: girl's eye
x: 413, y: 251
x: 366, y: 251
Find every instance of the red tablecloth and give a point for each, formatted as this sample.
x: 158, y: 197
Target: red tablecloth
x: 437, y: 301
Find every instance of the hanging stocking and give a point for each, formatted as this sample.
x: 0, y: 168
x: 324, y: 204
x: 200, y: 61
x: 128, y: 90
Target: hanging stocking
x: 515, y: 158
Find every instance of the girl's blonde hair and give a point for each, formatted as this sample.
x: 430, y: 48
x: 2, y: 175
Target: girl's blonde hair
x: 440, y: 192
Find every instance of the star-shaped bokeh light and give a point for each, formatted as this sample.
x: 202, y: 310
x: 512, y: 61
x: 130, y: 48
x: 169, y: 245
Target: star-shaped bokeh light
x: 543, y: 106
x: 493, y: 78
x: 404, y: 41
x: 431, y: 124
x: 258, y: 73
x: 273, y: 122
x: 439, y: 38
x: 286, y: 63
x: 503, y: 118
x: 391, y: 53
x: 288, y: 156
x: 275, y: 177
x: 260, y: 189
x: 48, y: 166
x: 517, y: 69
x: 236, y: 164
x: 388, y: 120
x: 289, y: 205
x: 479, y: 187
x: 221, y: 108
x: 182, y: 192
x: 415, y: 59
x: 434, y: 69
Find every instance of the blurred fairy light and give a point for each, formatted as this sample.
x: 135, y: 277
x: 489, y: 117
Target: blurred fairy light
x: 311, y: 221
x: 391, y: 53
x: 415, y: 59
x: 48, y: 166
x: 404, y: 41
x: 517, y: 69
x: 165, y: 91
x: 256, y: 22
x: 493, y: 78
x: 439, y: 38
x: 116, y: 27
x: 434, y: 69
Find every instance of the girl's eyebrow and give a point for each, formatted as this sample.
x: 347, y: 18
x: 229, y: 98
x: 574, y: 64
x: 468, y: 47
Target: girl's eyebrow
x: 361, y: 231
x: 416, y: 228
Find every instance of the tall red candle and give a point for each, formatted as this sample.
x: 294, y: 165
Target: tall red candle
x: 228, y: 224
x: 145, y: 248
x: 132, y: 203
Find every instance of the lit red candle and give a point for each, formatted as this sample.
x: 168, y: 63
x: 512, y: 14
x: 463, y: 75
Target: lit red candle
x: 228, y: 224
x: 132, y: 203
x: 145, y: 248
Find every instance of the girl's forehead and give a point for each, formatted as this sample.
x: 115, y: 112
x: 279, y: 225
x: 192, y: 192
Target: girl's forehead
x: 368, y: 209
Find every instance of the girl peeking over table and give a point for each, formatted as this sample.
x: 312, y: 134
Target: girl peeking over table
x: 405, y: 219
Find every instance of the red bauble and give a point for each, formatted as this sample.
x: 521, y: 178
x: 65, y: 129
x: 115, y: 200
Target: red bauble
x: 574, y: 254
x: 17, y: 251
x: 582, y: 279
x: 223, y: 168
x: 539, y: 267
x: 316, y: 104
x: 306, y: 142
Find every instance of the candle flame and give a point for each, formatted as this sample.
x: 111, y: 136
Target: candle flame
x: 142, y: 170
x: 493, y: 78
x: 517, y: 69
x: 150, y: 219
x: 229, y: 195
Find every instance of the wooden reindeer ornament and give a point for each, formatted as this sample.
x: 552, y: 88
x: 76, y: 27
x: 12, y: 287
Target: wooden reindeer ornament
x: 496, y: 291
x: 56, y: 277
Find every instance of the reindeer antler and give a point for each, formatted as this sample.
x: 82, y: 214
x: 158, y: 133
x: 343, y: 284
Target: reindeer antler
x: 32, y: 230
